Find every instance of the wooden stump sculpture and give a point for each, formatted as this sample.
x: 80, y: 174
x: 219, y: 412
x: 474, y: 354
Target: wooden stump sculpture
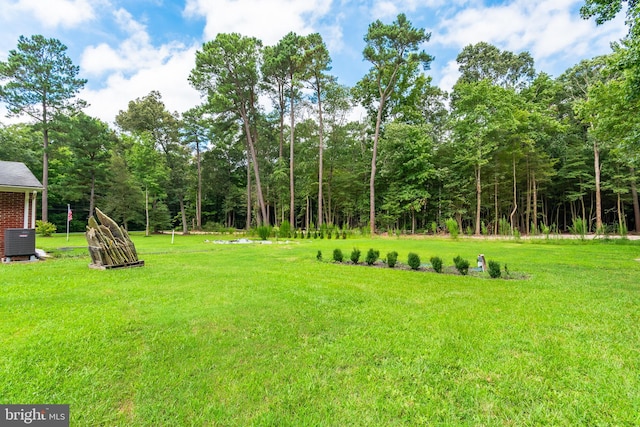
x: 110, y: 245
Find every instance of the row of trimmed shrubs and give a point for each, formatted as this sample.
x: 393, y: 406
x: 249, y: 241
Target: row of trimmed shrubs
x: 265, y: 232
x: 413, y: 261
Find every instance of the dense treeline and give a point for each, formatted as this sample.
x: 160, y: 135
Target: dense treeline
x: 509, y: 150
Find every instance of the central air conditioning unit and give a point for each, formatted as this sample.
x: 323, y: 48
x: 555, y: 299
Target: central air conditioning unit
x: 19, y: 242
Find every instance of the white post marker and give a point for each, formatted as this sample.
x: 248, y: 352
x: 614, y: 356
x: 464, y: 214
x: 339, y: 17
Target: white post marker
x: 173, y: 233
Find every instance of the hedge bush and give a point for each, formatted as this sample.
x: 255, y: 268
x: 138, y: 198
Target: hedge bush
x: 285, y: 229
x: 45, y: 229
x: 462, y: 265
x: 337, y: 255
x: 452, y: 227
x: 372, y: 256
x: 264, y: 231
x: 494, y: 269
x: 392, y: 259
x: 413, y: 260
x: 355, y: 255
x: 436, y: 263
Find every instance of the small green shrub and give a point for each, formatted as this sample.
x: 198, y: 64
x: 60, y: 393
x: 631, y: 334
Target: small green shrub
x: 337, y: 255
x: 413, y: 260
x: 533, y: 229
x: 452, y: 227
x: 483, y: 229
x: 372, y: 256
x: 355, y: 255
x: 329, y: 233
x: 44, y: 228
x: 308, y: 234
x: 434, y: 227
x: 462, y: 265
x: 436, y: 263
x: 392, y: 259
x: 622, y: 229
x: 285, y: 229
x: 546, y: 230
x: 579, y: 227
x: 319, y: 256
x: 344, y: 235
x: 264, y: 231
x: 504, y: 228
x: 494, y: 269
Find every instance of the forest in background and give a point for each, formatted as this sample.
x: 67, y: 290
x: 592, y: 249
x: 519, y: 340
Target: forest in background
x: 509, y: 150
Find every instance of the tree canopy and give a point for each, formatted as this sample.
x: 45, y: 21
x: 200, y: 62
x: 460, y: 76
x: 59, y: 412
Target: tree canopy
x: 278, y: 140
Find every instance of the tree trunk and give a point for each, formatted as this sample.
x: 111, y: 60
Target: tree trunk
x: 256, y: 169
x: 185, y: 227
x: 636, y: 205
x: 248, y: 225
x: 535, y: 201
x: 527, y: 214
x: 146, y: 211
x: 515, y: 194
x: 45, y: 172
x: 307, y: 216
x: 478, y: 200
x: 621, y: 219
x: 92, y: 197
x: 199, y: 195
x: 372, y: 180
x: 413, y: 221
x: 281, y: 146
x: 329, y: 187
x: 291, y: 184
x: 495, y: 195
x: 596, y: 166
x: 320, y: 160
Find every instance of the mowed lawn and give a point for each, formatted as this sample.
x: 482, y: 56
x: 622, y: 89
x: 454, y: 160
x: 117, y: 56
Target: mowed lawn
x: 207, y: 334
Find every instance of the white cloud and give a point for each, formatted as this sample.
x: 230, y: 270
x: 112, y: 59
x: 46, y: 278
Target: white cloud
x: 56, y: 13
x: 269, y: 21
x: 449, y: 76
x: 384, y: 9
x: 134, y: 68
x: 169, y: 78
x: 333, y: 38
x: 134, y: 53
x: 546, y: 28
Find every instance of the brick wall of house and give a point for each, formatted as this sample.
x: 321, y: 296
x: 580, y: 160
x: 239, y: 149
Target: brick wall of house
x: 11, y: 214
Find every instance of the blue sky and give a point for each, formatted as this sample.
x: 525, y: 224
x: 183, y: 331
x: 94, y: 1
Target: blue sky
x: 126, y: 48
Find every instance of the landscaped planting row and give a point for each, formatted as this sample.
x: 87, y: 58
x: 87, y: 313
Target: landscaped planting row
x: 284, y: 231
x: 372, y: 258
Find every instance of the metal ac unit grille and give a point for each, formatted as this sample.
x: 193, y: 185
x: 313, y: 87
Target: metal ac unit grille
x: 19, y: 242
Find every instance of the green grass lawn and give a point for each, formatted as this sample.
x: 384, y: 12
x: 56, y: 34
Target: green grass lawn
x: 208, y: 334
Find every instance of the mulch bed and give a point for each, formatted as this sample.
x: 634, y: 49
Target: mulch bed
x: 451, y: 270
